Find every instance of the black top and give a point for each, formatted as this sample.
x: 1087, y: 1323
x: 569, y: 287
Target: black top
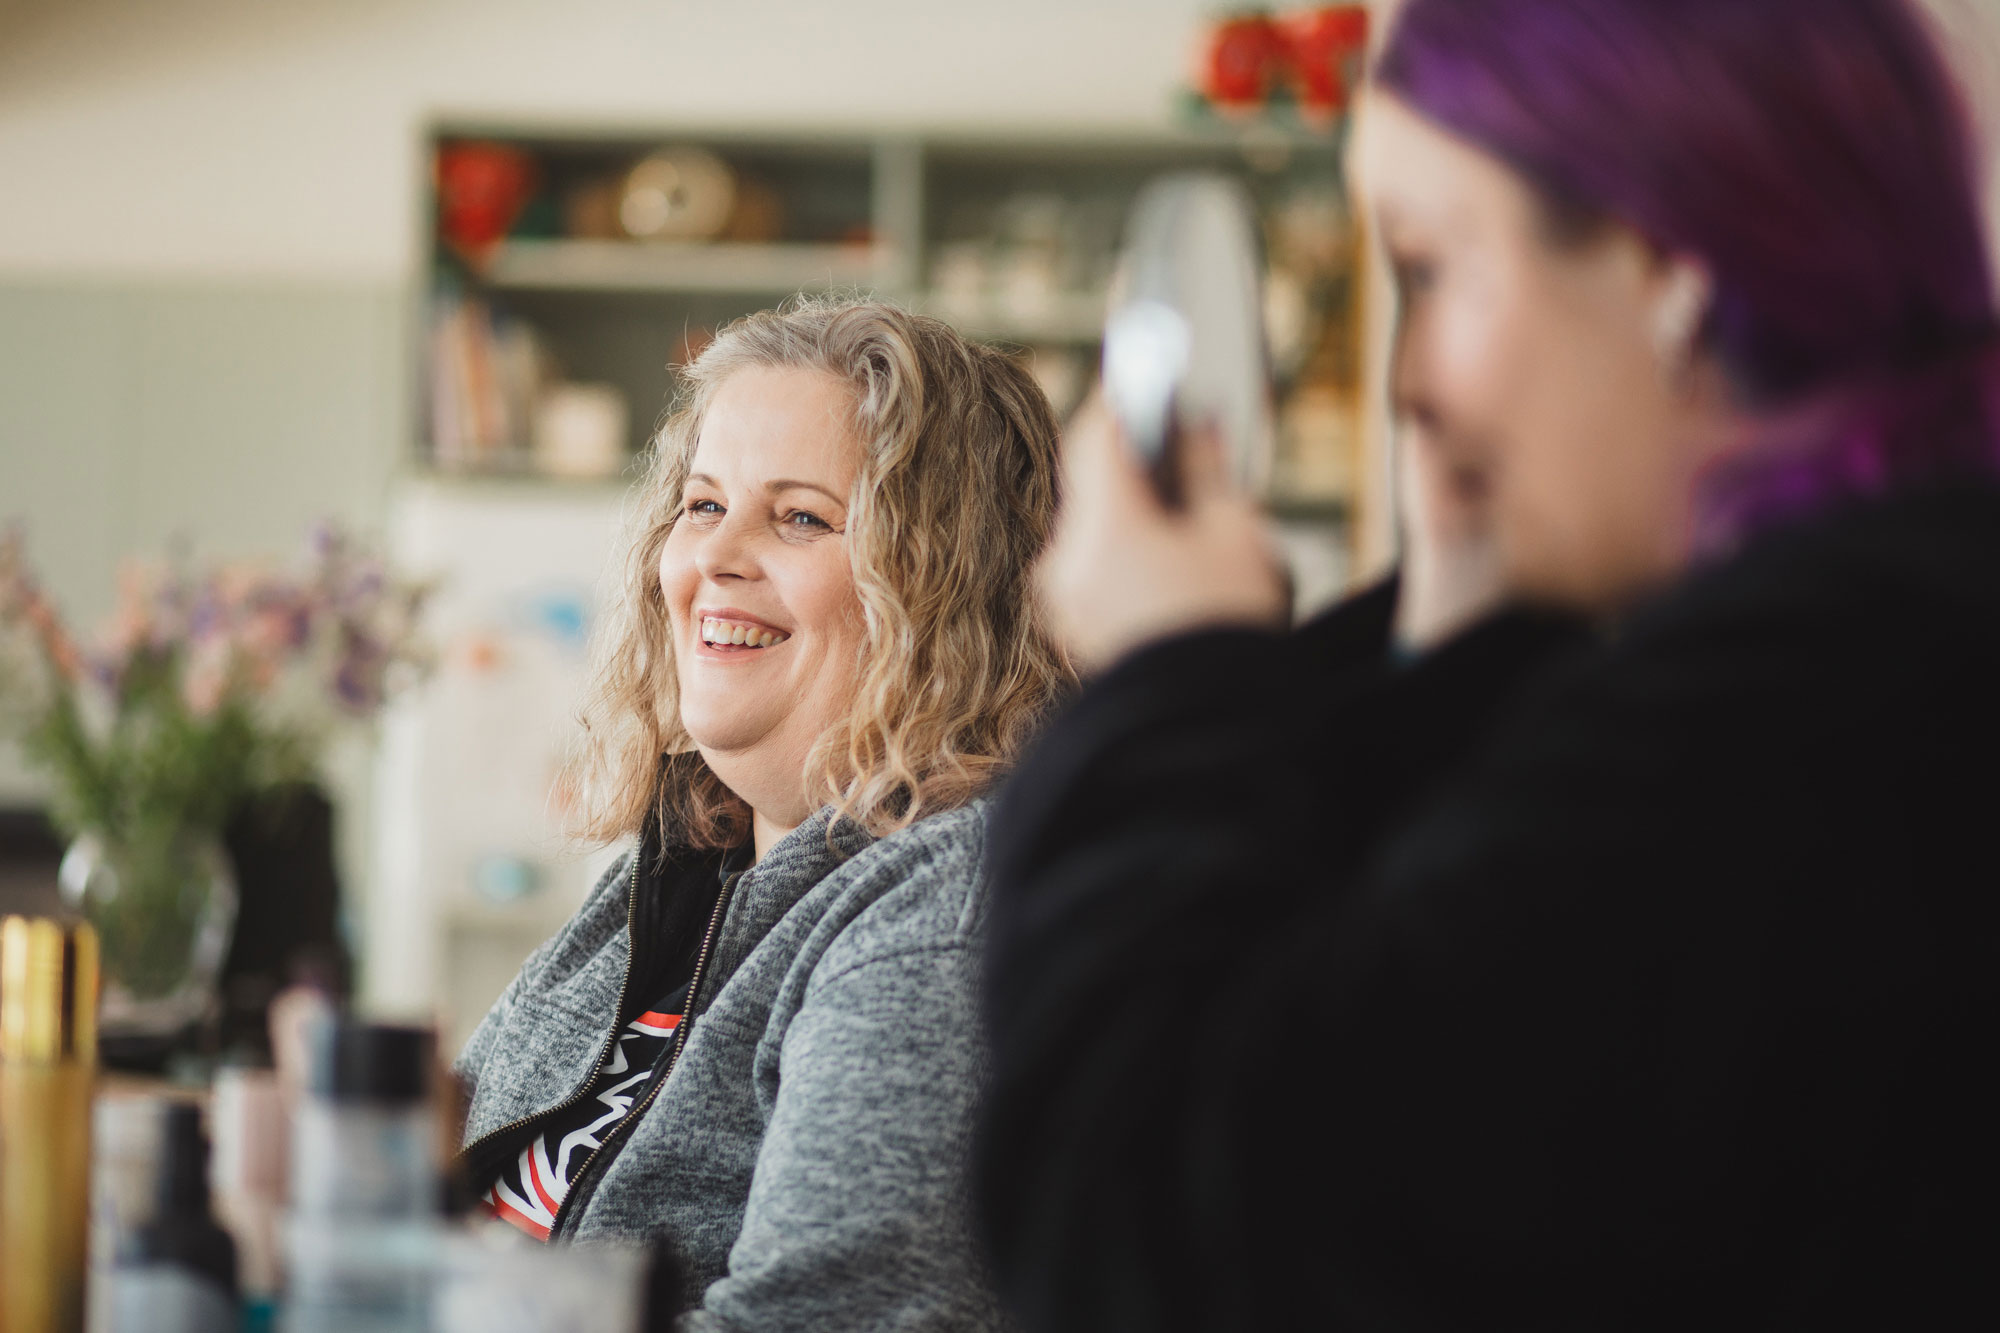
x: 525, y: 1174
x: 1639, y: 982
x: 671, y: 906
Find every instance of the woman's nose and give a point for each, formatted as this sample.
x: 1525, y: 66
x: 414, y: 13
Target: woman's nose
x: 728, y: 550
x: 1414, y: 402
x: 1409, y: 387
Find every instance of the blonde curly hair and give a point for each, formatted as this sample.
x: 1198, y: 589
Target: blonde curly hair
x: 953, y: 503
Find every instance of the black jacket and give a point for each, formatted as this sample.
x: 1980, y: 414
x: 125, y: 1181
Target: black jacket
x: 1641, y: 980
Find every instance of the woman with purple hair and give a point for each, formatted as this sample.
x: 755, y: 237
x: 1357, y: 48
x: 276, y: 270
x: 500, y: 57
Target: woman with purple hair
x: 1594, y: 927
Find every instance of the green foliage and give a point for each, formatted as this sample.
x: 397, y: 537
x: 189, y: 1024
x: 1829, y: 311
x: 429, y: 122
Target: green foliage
x: 158, y: 766
x: 206, y: 691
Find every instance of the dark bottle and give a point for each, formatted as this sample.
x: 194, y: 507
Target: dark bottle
x: 177, y: 1273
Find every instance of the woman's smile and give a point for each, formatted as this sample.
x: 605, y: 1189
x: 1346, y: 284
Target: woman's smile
x: 727, y: 634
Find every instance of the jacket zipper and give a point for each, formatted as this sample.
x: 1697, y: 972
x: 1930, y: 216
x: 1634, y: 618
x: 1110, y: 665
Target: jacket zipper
x: 666, y: 1070
x: 604, y: 1054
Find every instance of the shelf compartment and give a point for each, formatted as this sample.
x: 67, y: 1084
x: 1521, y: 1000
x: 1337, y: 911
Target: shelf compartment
x: 1063, y: 317
x: 634, y: 266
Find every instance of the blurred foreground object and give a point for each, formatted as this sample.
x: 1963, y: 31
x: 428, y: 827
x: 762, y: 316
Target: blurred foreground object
x: 288, y: 921
x: 1184, y: 349
x: 177, y: 1272
x: 361, y: 1241
x: 48, y: 1047
x: 208, y: 690
x: 495, y: 1277
x: 250, y: 1122
x: 368, y: 1249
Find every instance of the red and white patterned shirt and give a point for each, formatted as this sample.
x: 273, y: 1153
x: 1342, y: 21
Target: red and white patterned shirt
x: 532, y: 1188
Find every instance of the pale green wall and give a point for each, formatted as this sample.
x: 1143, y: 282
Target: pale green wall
x: 230, y: 414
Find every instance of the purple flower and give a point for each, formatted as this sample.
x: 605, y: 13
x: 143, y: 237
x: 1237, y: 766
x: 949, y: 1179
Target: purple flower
x: 207, y: 617
x: 355, y: 687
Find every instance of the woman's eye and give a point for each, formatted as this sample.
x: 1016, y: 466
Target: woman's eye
x: 704, y: 508
x: 800, y: 518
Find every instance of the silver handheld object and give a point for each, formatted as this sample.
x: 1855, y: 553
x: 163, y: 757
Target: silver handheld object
x: 1184, y: 343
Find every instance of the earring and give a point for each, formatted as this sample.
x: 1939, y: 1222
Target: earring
x: 1676, y: 320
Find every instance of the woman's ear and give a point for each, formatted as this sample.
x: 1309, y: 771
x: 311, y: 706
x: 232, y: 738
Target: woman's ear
x: 1680, y: 305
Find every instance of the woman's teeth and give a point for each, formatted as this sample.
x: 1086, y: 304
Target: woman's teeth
x: 749, y: 636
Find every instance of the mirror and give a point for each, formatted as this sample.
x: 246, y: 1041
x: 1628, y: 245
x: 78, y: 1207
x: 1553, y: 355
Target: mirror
x: 1184, y: 343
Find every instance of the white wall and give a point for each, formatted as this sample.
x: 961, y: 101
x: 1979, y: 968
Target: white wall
x: 248, y: 138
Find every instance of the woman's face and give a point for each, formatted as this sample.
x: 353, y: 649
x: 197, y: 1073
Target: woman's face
x: 1531, y: 370
x: 767, y: 627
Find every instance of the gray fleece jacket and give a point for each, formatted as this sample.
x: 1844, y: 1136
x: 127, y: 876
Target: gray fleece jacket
x: 808, y: 1154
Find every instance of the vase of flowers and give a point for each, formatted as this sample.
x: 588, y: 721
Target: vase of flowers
x: 208, y: 688
x: 163, y: 900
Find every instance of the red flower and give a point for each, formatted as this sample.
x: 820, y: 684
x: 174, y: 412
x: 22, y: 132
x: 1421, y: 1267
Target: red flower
x: 481, y: 190
x: 1325, y: 48
x: 1242, y: 60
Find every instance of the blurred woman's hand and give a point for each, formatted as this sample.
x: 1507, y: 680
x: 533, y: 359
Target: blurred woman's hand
x: 1124, y: 569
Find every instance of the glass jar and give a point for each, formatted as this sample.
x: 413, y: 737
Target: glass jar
x: 164, y: 905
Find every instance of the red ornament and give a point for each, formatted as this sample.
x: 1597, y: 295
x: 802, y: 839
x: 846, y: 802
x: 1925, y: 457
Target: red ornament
x: 1242, y: 59
x: 481, y: 189
x: 1325, y: 47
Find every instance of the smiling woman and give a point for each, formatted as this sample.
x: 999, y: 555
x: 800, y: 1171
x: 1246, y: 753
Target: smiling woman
x: 758, y: 1039
x: 880, y: 461
x: 763, y: 522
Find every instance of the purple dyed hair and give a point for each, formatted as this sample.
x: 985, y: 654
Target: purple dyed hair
x: 1814, y: 154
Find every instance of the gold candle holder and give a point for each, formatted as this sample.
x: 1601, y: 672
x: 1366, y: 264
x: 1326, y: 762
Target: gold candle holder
x: 48, y: 1055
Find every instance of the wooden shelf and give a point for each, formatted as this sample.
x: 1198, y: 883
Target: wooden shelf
x: 633, y: 266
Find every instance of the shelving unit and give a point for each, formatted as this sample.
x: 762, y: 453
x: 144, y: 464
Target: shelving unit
x: 1010, y: 239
